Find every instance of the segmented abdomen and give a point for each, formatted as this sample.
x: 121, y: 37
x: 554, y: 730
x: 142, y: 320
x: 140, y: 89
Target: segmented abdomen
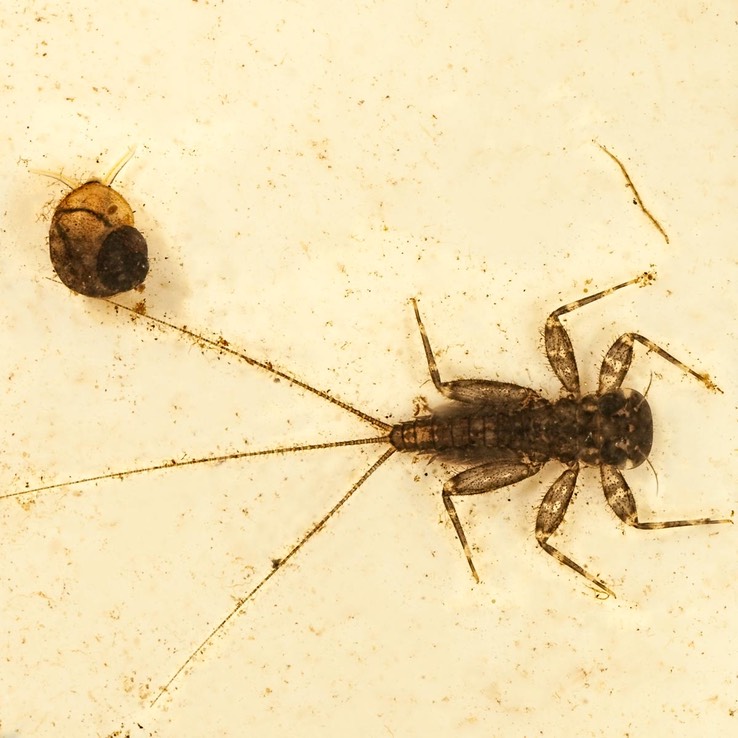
x: 547, y: 431
x: 440, y: 434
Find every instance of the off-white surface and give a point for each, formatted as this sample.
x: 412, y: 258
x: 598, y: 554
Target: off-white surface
x: 303, y: 169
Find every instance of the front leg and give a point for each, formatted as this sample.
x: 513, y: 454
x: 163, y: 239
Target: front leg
x: 618, y: 359
x: 551, y: 515
x: 621, y: 500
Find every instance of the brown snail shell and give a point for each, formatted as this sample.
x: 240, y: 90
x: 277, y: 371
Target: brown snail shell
x: 93, y: 245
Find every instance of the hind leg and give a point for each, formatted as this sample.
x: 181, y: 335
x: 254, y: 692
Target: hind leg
x: 475, y: 391
x: 504, y: 471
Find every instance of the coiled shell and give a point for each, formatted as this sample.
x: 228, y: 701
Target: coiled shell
x: 93, y: 245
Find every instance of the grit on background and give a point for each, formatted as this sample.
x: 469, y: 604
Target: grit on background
x: 302, y: 170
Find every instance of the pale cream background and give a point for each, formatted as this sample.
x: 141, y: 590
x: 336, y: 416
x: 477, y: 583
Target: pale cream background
x: 303, y: 169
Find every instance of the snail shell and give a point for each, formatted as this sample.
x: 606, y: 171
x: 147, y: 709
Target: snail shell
x: 94, y: 247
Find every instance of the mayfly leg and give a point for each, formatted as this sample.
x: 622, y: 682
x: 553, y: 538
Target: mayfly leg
x: 501, y: 468
x: 559, y: 348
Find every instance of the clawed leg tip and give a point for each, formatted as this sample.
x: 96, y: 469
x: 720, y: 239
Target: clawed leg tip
x: 604, y: 594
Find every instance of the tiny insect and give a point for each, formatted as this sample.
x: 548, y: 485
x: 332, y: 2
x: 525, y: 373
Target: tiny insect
x: 94, y: 248
x: 501, y: 432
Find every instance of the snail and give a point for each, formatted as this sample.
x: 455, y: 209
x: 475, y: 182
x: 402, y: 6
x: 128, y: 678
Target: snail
x: 94, y: 248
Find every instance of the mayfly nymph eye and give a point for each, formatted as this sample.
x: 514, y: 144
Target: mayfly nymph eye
x: 611, y: 402
x: 93, y: 245
x: 612, y: 454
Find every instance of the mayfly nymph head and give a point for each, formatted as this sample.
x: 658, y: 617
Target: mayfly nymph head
x: 619, y: 429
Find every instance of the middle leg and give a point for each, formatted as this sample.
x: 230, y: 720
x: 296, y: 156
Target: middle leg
x: 619, y: 357
x: 621, y: 500
x: 550, y: 516
x: 559, y: 349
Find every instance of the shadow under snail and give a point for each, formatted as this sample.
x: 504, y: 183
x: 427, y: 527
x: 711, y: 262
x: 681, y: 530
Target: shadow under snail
x: 94, y: 248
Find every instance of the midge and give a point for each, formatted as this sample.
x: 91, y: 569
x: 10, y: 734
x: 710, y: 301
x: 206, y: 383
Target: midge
x: 93, y: 246
x: 502, y: 433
